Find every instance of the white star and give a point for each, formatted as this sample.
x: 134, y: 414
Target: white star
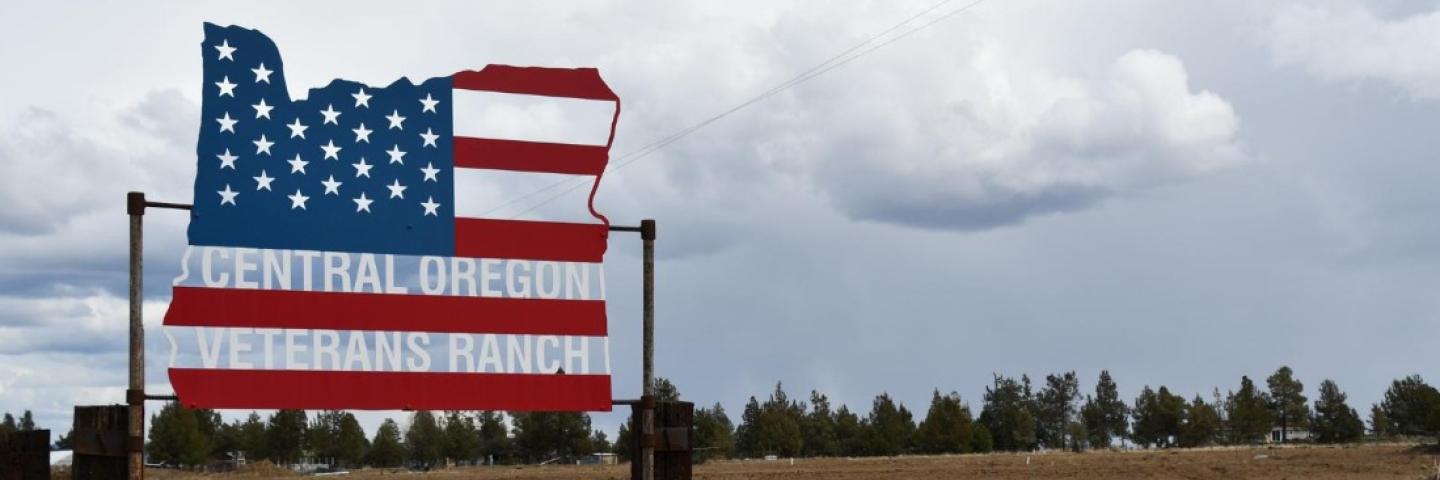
x: 362, y: 99
x: 226, y: 88
x: 297, y: 129
x: 262, y: 110
x: 362, y: 134
x: 262, y: 145
x: 431, y: 208
x: 332, y: 186
x: 429, y: 138
x: 261, y: 74
x: 227, y: 195
x: 430, y: 171
x: 428, y: 104
x: 227, y: 160
x: 297, y: 200
x: 227, y: 124
x: 331, y: 116
x: 262, y: 182
x: 396, y: 121
x: 331, y: 151
x: 396, y: 189
x: 362, y: 168
x: 396, y: 156
x: 297, y: 165
x: 362, y: 204
x: 226, y: 51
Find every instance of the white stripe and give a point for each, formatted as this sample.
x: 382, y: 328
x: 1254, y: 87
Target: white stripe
x: 345, y: 272
x: 484, y: 193
x: 358, y: 350
x: 532, y: 118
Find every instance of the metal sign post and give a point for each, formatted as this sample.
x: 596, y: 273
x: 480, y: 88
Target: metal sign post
x: 135, y: 396
x: 647, y: 390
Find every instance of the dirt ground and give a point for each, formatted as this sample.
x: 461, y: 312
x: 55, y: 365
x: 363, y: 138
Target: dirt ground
x: 1317, y: 463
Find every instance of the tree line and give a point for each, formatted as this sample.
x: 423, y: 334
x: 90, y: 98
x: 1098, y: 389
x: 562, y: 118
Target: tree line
x: 1016, y: 414
x: 190, y: 437
x: 1023, y: 415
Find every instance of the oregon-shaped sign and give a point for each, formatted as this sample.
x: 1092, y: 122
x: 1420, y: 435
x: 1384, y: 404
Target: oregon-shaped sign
x: 345, y: 252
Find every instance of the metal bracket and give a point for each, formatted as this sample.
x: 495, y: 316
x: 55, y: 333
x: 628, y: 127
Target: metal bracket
x: 135, y: 203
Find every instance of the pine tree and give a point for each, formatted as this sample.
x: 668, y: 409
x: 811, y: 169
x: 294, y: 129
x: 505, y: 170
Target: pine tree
x: 424, y: 441
x: 543, y: 436
x: 1008, y: 415
x: 462, y: 438
x: 1106, y: 417
x: 323, y: 435
x: 818, y: 428
x: 947, y: 427
x: 386, y: 450
x: 747, y: 436
x: 27, y: 422
x: 665, y: 390
x: 285, y: 436
x: 1248, y: 413
x: 66, y: 441
x: 1201, y: 424
x: 772, y: 428
x: 1055, y: 409
x: 714, y: 431
x: 1287, y: 401
x: 1380, y: 425
x: 8, y: 425
x: 351, y: 445
x: 624, y: 443
x: 890, y: 427
x: 849, y: 432
x: 176, y: 437
x: 252, y: 438
x: 495, y: 436
x: 599, y: 442
x: 1145, y: 426
x: 1410, y: 404
x: 1335, y: 421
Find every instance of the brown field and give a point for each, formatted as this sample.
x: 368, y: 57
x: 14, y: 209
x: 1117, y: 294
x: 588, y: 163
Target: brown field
x: 1318, y: 463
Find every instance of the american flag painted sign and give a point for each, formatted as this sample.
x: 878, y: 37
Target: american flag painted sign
x: 336, y: 258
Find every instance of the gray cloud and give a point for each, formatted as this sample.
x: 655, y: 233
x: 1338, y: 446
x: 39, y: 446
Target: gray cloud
x: 1355, y: 42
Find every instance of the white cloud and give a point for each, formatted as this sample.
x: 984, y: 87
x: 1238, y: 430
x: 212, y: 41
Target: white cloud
x: 73, y: 320
x: 996, y: 139
x: 1356, y: 43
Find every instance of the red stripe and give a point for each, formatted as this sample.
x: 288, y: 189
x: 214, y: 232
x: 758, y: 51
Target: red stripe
x: 525, y: 156
x: 550, y: 82
x: 229, y: 307
x: 557, y: 241
x: 335, y: 390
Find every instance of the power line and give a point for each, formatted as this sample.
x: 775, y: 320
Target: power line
x: 829, y: 64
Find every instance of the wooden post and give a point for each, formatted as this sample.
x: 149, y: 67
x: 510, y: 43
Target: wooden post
x: 101, y: 442
x: 647, y: 398
x: 25, y: 455
x: 135, y: 395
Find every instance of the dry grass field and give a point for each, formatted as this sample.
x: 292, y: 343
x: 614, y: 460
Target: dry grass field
x: 1317, y: 463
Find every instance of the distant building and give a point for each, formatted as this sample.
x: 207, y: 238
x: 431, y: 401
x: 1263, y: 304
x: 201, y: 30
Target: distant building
x: 1292, y: 434
x: 599, y: 459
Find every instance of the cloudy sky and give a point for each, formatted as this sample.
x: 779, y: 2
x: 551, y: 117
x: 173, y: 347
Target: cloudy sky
x: 1179, y: 192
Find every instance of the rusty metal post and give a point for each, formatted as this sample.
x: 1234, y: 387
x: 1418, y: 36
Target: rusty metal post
x: 135, y: 396
x: 647, y: 400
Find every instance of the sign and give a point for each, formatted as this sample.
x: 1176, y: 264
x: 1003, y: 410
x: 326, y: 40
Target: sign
x: 338, y: 259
